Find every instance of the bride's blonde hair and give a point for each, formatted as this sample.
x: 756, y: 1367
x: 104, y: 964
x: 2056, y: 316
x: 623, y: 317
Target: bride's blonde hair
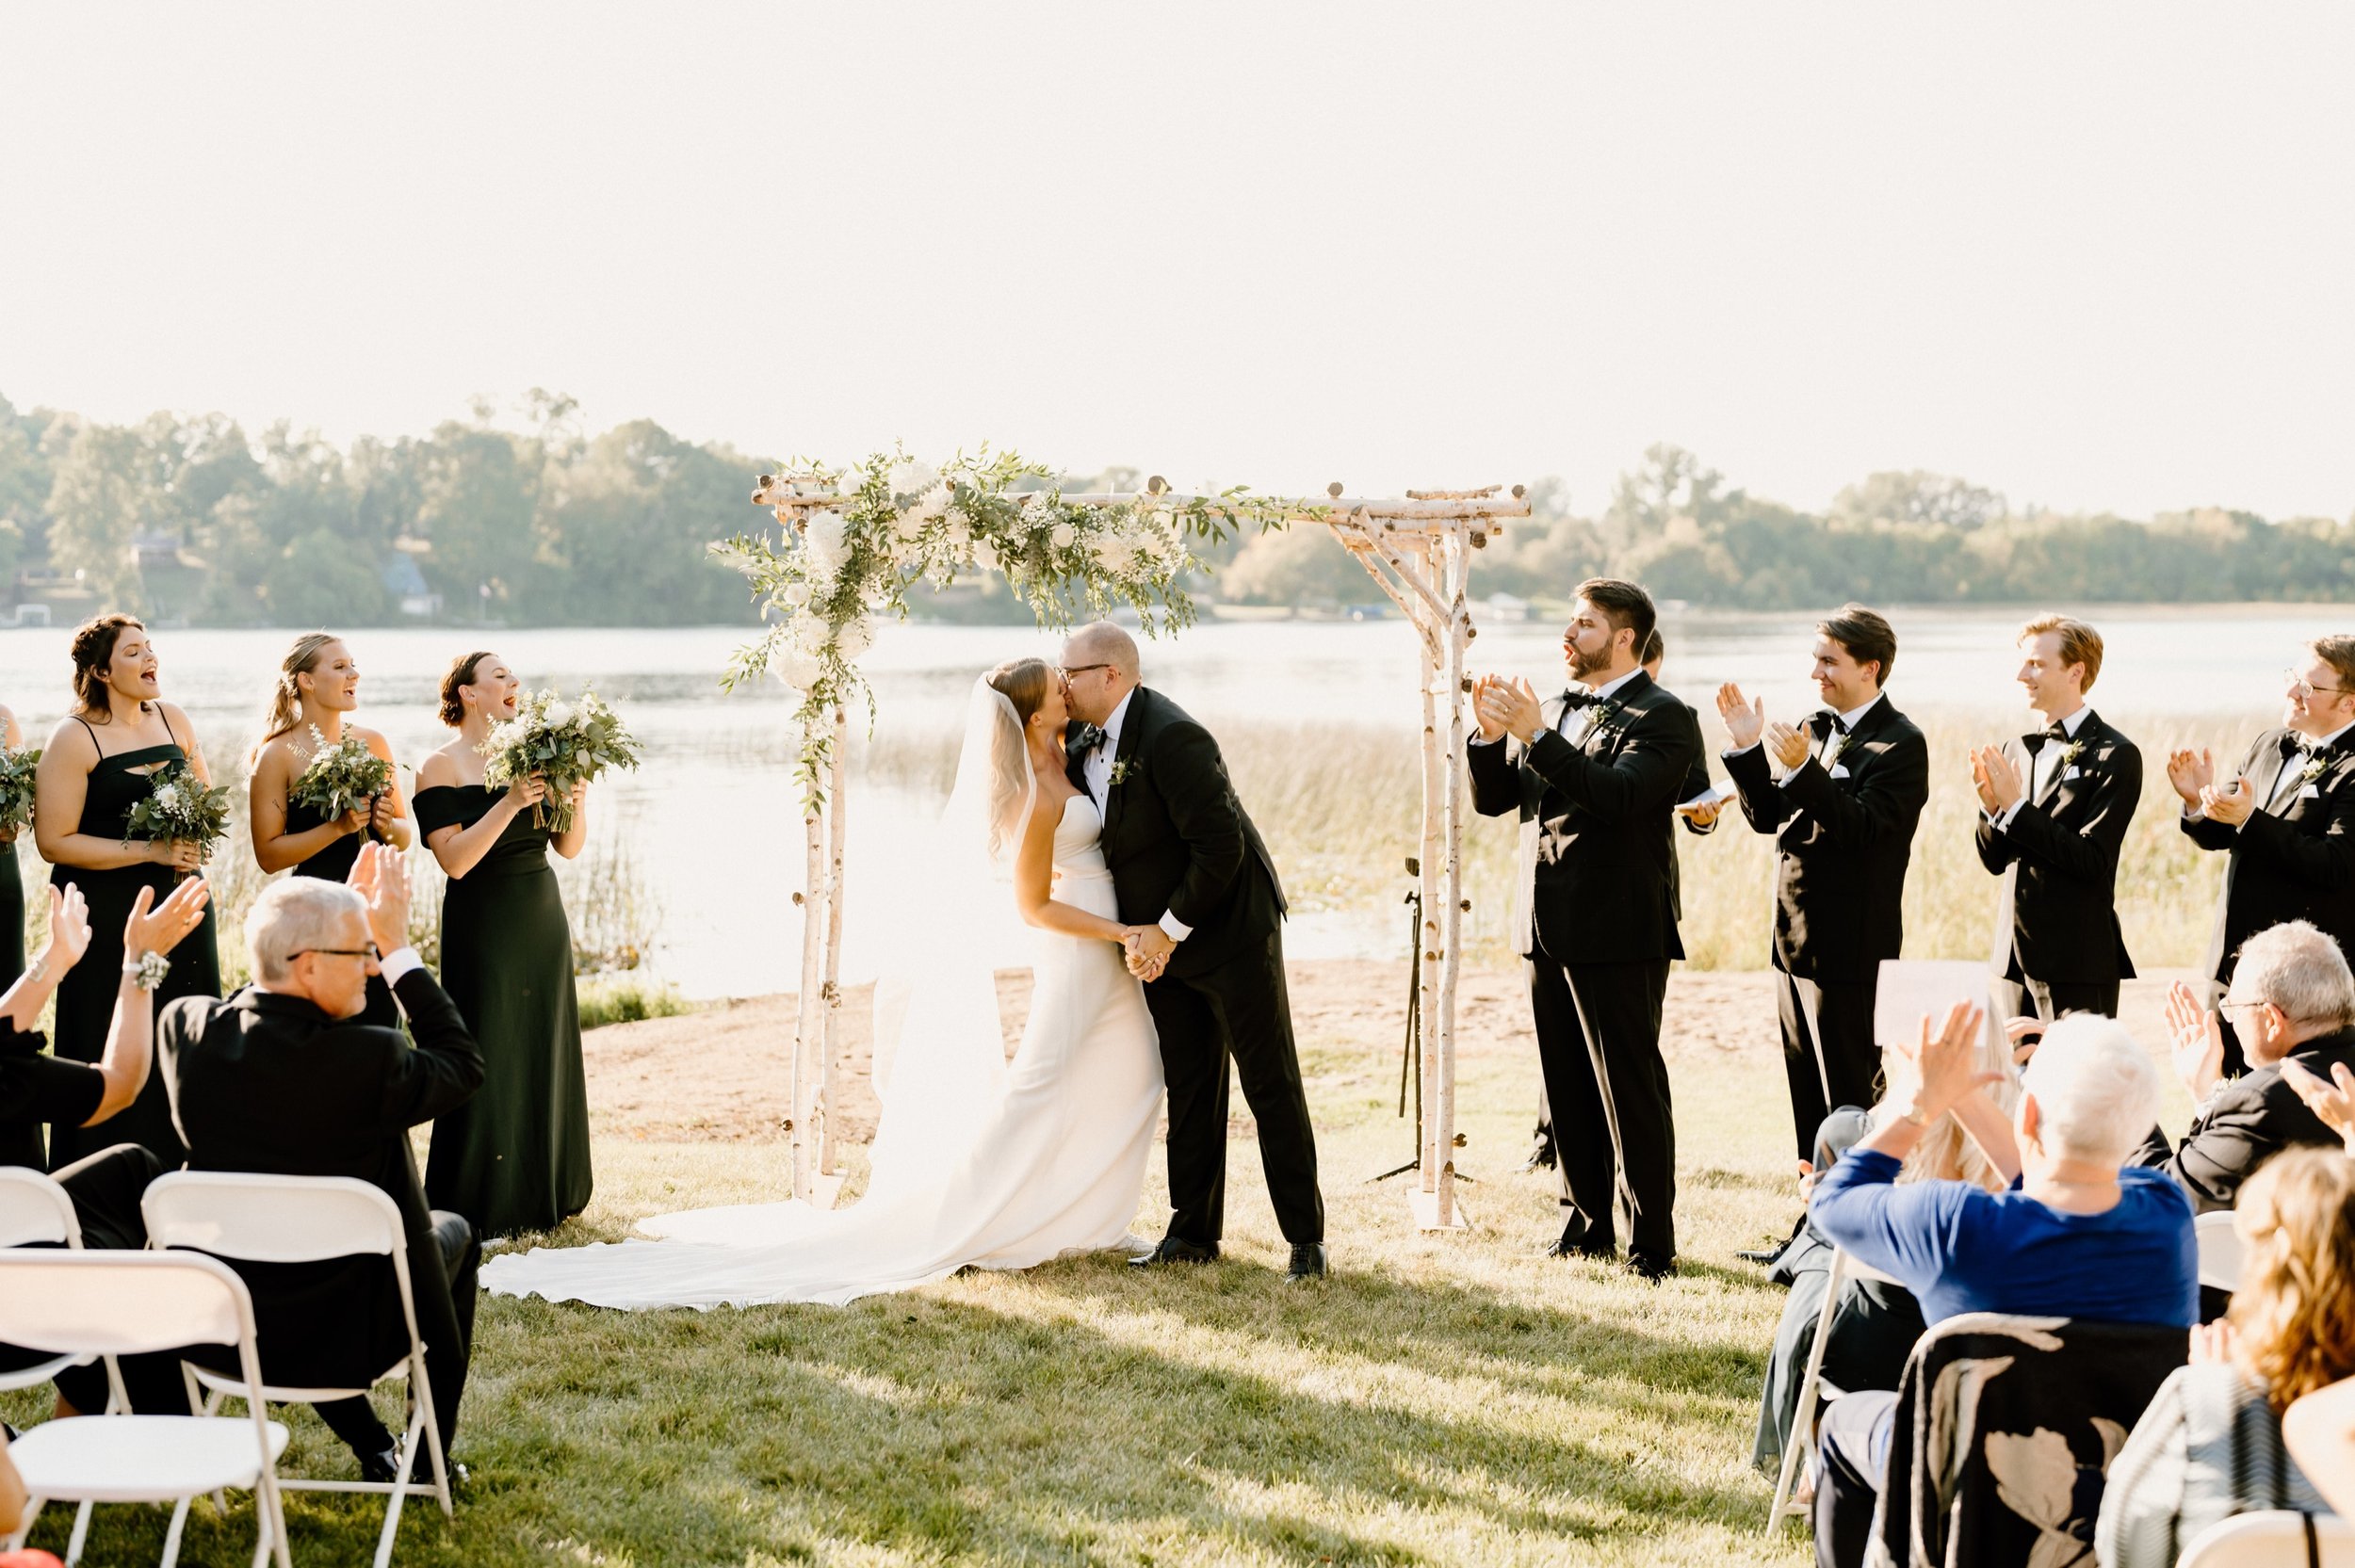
x: 1024, y: 685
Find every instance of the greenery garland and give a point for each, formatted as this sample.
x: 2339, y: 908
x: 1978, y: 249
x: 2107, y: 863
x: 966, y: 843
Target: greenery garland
x: 900, y: 525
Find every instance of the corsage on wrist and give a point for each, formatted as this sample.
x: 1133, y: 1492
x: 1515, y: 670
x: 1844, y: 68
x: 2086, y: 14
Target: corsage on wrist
x: 148, y: 970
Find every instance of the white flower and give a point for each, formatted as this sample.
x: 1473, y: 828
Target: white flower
x: 1117, y: 555
x: 856, y: 635
x: 959, y: 532
x: 910, y: 477
x: 558, y: 715
x: 826, y: 542
x: 1063, y: 537
x: 849, y: 481
x: 796, y: 594
x: 798, y: 670
x: 985, y: 555
x: 168, y: 796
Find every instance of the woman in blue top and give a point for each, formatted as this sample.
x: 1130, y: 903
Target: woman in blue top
x: 2074, y: 1236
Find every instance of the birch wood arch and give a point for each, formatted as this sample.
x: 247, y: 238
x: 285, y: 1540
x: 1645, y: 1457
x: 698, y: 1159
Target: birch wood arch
x: 1419, y: 549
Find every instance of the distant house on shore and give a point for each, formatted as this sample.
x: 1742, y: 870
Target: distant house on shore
x: 409, y: 588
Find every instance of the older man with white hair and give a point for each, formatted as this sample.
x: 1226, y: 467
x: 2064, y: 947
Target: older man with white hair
x: 2292, y: 1000
x: 2080, y: 1234
x: 283, y: 1079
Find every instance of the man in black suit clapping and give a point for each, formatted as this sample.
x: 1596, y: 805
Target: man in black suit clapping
x: 2286, y: 820
x: 1842, y: 797
x: 1595, y: 775
x: 2054, y: 809
x: 278, y: 1080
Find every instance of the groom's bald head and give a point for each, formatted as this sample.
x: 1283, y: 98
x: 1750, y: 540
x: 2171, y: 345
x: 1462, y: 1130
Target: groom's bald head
x: 1099, y: 663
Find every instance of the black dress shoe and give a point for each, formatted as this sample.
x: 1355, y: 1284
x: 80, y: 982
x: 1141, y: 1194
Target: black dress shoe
x: 1579, y: 1240
x: 1308, y: 1263
x: 1650, y: 1268
x: 380, y: 1468
x: 1174, y: 1250
x: 1541, y: 1157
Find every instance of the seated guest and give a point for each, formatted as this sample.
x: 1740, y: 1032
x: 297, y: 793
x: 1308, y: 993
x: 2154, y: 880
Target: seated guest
x: 35, y: 1088
x: 2320, y: 1430
x: 2210, y: 1445
x: 278, y: 1080
x: 2073, y: 1236
x: 1874, y: 1327
x: 2292, y: 1001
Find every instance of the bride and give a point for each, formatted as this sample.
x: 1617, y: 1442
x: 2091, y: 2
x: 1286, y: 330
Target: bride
x: 975, y: 1161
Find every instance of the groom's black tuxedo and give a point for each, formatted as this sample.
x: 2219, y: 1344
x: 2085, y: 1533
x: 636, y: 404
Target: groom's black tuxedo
x: 1594, y: 912
x: 1178, y: 842
x: 2057, y: 942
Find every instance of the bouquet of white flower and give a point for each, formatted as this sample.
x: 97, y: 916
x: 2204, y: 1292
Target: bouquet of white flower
x: 341, y: 777
x: 565, y: 743
x: 16, y: 786
x: 178, y: 807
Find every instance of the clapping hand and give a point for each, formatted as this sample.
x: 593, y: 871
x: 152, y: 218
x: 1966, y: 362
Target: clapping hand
x: 1786, y: 745
x: 1489, y: 728
x: 380, y: 876
x: 1743, y: 718
x: 155, y: 927
x: 2025, y: 1035
x: 2332, y: 1099
x: 69, y: 929
x: 1946, y: 1070
x: 2195, y: 1039
x: 2190, y: 772
x: 1149, y: 949
x: 1511, y: 708
x: 1996, y: 780
x: 2230, y: 806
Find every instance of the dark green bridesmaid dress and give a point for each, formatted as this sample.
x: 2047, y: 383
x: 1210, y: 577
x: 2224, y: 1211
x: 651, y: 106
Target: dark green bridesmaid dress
x: 515, y: 1158
x: 86, y: 997
x: 19, y: 1142
x: 333, y: 865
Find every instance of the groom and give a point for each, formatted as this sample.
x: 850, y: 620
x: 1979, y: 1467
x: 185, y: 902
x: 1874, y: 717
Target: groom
x: 1188, y: 866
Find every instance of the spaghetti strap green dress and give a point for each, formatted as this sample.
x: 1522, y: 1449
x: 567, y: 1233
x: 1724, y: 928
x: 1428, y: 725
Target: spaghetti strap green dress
x: 515, y: 1158
x: 333, y: 865
x: 86, y: 997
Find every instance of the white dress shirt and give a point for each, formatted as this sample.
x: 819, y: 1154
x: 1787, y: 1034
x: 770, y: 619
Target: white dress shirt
x: 1097, y: 771
x: 2046, y: 764
x: 1833, y: 743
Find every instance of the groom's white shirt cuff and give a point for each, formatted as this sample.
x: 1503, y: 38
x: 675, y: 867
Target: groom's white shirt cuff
x: 1176, y: 930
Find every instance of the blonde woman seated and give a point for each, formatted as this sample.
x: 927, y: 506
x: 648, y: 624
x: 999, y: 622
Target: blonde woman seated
x: 1873, y: 1328
x: 2210, y: 1445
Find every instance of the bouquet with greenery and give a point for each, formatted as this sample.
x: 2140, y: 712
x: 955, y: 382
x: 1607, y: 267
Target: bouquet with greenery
x: 342, y: 777
x: 16, y: 786
x: 178, y: 807
x: 565, y: 743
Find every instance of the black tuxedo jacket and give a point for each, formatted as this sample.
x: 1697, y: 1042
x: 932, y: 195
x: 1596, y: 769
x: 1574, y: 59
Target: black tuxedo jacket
x: 270, y: 1084
x: 2061, y: 918
x: 1178, y: 842
x: 2247, y: 1121
x: 1594, y: 876
x: 2296, y: 865
x: 1842, y: 844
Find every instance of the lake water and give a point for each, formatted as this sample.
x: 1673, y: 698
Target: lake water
x: 712, y: 821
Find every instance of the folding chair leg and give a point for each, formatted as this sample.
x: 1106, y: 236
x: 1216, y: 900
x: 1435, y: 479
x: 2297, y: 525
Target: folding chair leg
x: 80, y: 1537
x: 212, y: 1407
x: 172, y: 1536
x: 32, y: 1511
x: 399, y: 1495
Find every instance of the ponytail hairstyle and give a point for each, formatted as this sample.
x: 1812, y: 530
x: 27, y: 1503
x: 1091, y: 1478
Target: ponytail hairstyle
x: 285, y: 698
x: 93, y: 650
x: 460, y: 676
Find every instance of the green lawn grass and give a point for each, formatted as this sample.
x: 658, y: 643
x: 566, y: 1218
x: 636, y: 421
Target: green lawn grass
x: 1448, y: 1399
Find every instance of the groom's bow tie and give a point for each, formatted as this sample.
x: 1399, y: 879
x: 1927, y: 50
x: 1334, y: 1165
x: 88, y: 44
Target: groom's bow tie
x: 1089, y: 738
x: 2035, y: 743
x: 1573, y: 701
x: 1825, y: 721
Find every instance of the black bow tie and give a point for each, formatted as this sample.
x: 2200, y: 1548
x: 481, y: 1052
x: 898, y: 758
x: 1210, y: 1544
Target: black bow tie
x: 2293, y: 744
x: 1825, y: 722
x: 1090, y: 737
x: 2035, y: 743
x: 1573, y: 701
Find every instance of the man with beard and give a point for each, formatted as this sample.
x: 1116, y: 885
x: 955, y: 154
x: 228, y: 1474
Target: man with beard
x: 1594, y: 775
x: 2286, y: 820
x: 1842, y: 797
x: 2054, y: 810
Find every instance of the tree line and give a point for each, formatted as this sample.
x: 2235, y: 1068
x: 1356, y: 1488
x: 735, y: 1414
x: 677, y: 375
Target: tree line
x: 530, y: 520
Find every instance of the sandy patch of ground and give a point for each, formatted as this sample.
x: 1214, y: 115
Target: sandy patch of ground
x: 722, y: 1073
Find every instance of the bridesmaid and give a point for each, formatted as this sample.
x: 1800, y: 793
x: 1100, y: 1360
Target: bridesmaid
x: 515, y: 1158
x: 92, y: 772
x: 317, y: 684
x: 11, y: 879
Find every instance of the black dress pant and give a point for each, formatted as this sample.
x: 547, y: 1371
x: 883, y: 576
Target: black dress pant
x: 1607, y: 1087
x: 1834, y: 1022
x: 1240, y: 1009
x: 355, y: 1420
x: 2021, y: 996
x: 1851, y: 1468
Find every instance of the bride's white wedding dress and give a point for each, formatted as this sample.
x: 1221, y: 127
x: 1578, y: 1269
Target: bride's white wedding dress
x: 981, y: 1163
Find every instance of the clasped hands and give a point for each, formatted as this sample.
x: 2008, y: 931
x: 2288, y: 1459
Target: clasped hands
x: 1995, y: 778
x: 2193, y: 774
x: 1147, y: 948
x: 1747, y: 725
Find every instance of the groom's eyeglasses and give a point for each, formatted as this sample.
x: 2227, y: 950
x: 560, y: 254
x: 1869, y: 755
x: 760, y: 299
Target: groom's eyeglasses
x: 1071, y: 669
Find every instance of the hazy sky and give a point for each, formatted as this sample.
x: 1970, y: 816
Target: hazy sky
x: 2092, y: 255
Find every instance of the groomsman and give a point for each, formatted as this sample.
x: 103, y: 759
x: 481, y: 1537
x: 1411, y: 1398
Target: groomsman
x: 2285, y: 819
x: 2053, y: 807
x: 1594, y: 775
x: 1842, y: 797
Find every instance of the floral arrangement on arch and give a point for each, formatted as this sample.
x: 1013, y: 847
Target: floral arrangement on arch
x: 902, y: 526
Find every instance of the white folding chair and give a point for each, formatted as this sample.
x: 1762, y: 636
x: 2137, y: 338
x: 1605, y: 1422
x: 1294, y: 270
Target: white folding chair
x: 124, y: 1303
x: 35, y: 1211
x: 260, y: 1219
x: 2274, y: 1539
x: 2221, y: 1252
x: 1797, y: 1451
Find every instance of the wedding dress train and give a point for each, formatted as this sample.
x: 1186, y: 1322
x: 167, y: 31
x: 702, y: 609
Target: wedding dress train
x: 1008, y: 1168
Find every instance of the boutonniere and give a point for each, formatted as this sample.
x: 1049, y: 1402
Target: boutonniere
x: 1120, y: 772
x: 2316, y: 766
x: 2070, y: 752
x: 1599, y: 717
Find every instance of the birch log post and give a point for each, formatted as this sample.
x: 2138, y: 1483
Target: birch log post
x: 827, y: 1184
x: 808, y: 1022
x: 1443, y: 1214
